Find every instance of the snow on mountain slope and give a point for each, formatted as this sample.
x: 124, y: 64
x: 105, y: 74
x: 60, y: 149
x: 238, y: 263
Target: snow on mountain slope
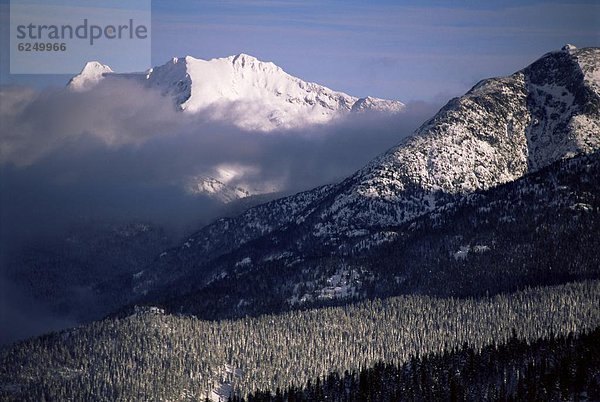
x: 224, y: 236
x: 250, y: 93
x: 497, y: 132
x: 376, y: 104
x: 211, y: 187
x: 228, y: 182
x: 563, y: 105
x: 487, y: 137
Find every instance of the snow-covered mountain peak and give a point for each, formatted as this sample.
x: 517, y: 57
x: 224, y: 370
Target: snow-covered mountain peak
x: 378, y: 105
x: 248, y: 92
x: 500, y: 130
x: 240, y: 78
x: 90, y: 75
x: 95, y: 67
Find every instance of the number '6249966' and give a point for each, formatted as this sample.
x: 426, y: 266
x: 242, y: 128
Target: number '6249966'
x: 41, y: 47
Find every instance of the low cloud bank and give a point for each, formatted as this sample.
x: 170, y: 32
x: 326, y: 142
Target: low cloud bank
x: 123, y: 150
x: 122, y: 153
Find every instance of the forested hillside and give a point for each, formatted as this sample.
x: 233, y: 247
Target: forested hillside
x: 557, y: 368
x: 153, y: 356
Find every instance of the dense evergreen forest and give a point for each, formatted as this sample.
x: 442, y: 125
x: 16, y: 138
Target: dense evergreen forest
x: 155, y: 356
x: 557, y: 368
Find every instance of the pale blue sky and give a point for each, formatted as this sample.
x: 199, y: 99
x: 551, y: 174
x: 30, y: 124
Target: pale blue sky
x: 407, y: 50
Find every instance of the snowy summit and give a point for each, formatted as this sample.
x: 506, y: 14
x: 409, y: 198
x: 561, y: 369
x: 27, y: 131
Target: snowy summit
x: 256, y: 95
x: 91, y: 74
